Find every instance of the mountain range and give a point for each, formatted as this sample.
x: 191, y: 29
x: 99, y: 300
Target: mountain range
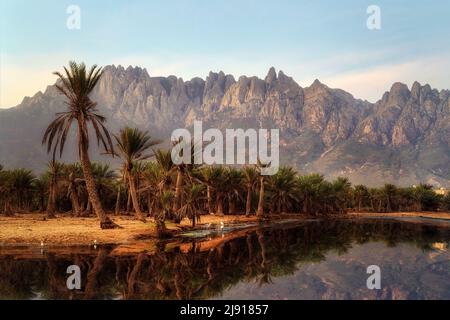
x: 404, y: 138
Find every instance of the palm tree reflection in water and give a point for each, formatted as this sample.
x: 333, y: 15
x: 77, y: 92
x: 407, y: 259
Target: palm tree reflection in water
x: 207, y: 269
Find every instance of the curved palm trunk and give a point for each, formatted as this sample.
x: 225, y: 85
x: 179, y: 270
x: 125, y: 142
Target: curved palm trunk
x: 105, y: 222
x: 262, y: 244
x: 75, y: 203
x: 260, y: 212
x: 92, y: 277
x: 178, y: 189
x: 210, y: 202
x: 132, y: 279
x: 134, y: 197
x: 128, y: 202
x: 248, y: 203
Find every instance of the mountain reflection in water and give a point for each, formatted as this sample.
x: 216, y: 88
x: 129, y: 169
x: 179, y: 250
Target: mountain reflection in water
x: 311, y: 260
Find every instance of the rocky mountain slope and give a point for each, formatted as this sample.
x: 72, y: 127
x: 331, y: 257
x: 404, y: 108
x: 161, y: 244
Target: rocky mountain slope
x: 403, y: 138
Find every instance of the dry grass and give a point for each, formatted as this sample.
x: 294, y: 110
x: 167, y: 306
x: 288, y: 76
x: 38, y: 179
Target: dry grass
x: 31, y: 229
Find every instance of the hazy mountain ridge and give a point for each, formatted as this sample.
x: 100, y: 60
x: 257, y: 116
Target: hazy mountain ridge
x: 403, y: 138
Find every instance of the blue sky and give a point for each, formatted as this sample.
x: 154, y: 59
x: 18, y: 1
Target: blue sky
x: 306, y: 39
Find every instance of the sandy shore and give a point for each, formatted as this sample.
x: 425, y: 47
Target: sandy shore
x: 432, y: 215
x: 32, y: 229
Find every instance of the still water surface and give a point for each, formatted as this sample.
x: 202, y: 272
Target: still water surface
x: 309, y: 260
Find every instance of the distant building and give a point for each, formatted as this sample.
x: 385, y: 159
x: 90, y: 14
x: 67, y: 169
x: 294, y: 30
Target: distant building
x: 442, y: 191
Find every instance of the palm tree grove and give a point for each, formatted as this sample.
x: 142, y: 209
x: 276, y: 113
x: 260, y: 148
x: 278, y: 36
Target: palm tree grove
x: 224, y: 159
x: 148, y: 185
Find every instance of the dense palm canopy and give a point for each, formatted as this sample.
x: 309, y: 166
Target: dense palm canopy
x: 215, y: 188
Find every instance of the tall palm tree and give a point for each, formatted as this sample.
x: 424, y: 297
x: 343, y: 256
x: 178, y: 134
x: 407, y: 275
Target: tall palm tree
x: 262, y: 181
x: 341, y: 190
x: 132, y: 145
x: 207, y: 176
x: 183, y: 170
x: 191, y: 207
x: 74, y: 173
x: 165, y: 199
x: 250, y: 179
x: 220, y: 183
x: 5, y: 189
x: 309, y: 187
x: 360, y: 193
x: 23, y: 185
x: 76, y: 85
x: 40, y: 191
x: 283, y: 189
x: 389, y: 192
x: 151, y: 180
x: 233, y: 188
x: 165, y: 176
x: 104, y: 178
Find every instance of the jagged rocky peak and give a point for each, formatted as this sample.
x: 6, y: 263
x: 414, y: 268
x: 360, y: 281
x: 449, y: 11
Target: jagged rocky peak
x: 283, y: 78
x: 399, y: 94
x: 271, y: 76
x: 415, y: 90
x: 317, y: 84
x: 317, y: 88
x: 217, y: 83
x: 130, y: 71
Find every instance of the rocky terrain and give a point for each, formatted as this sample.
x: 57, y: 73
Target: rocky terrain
x: 403, y: 138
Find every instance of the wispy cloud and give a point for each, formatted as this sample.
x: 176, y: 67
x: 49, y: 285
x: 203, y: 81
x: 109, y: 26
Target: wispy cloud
x: 371, y: 83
